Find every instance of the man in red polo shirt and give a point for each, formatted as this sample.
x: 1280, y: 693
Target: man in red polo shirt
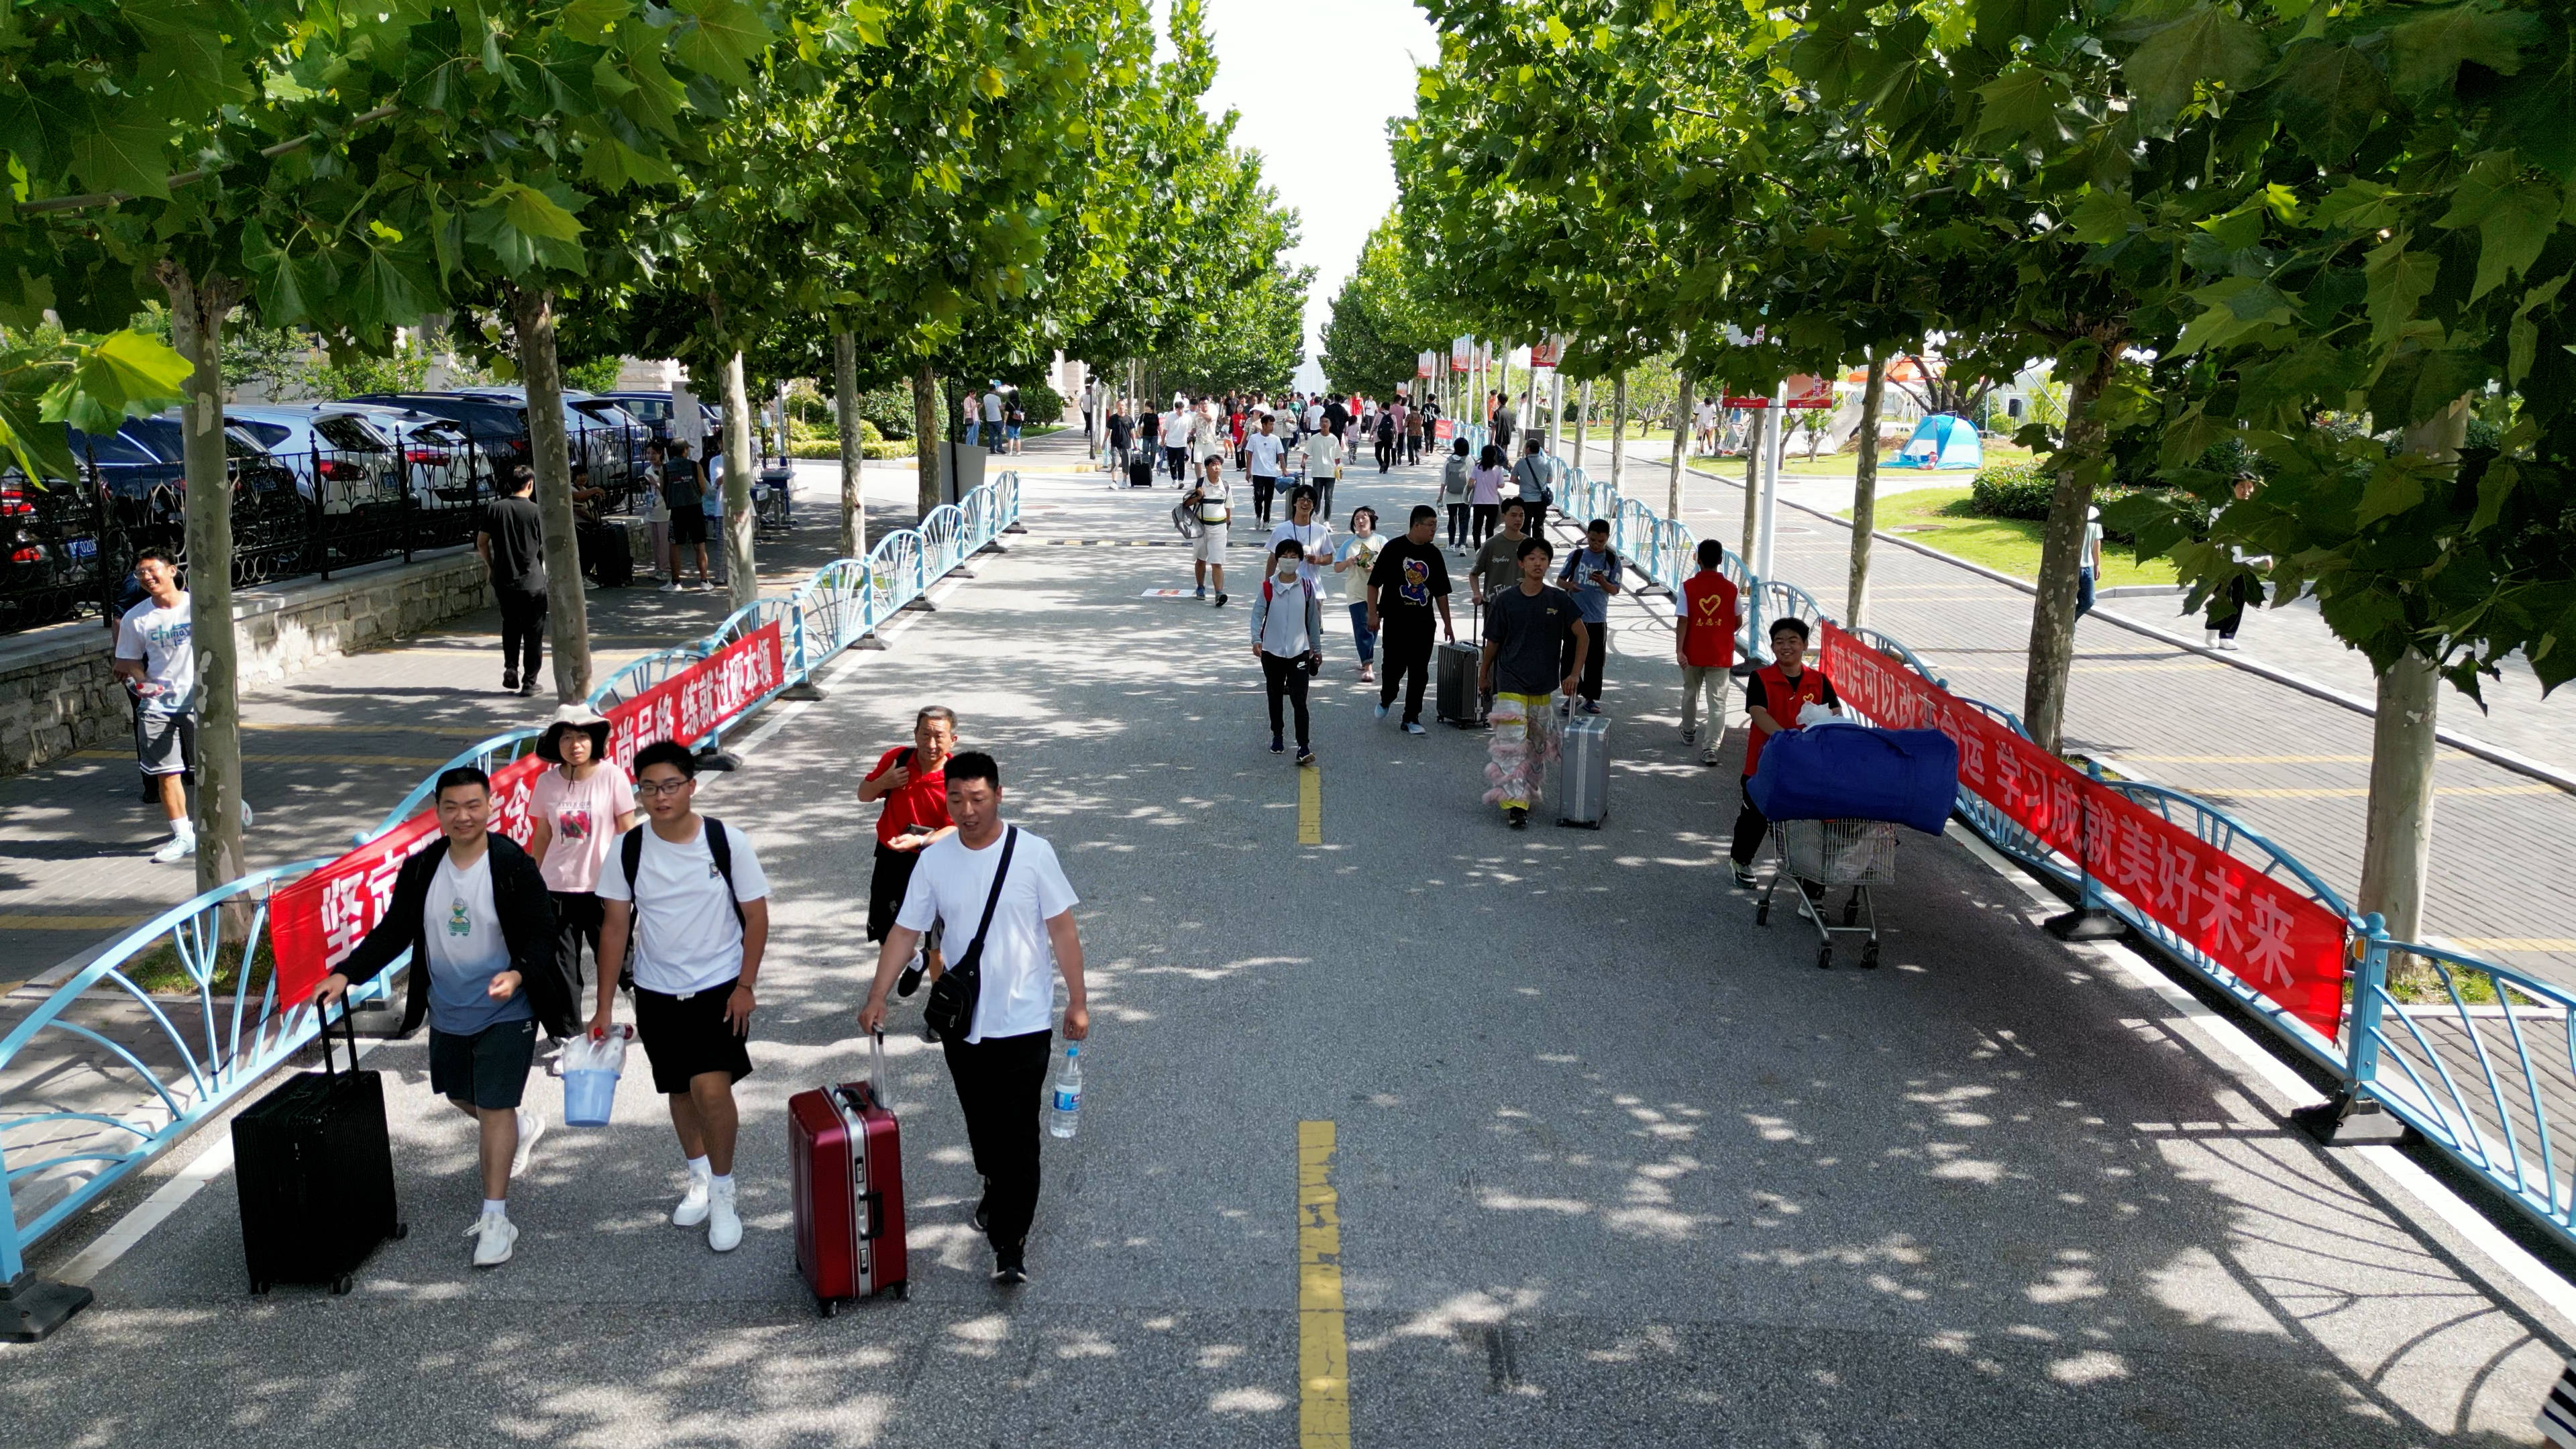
x: 1704, y: 645
x: 912, y: 780
x: 1773, y: 696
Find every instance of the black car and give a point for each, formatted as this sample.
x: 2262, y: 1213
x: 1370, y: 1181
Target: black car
x: 497, y: 426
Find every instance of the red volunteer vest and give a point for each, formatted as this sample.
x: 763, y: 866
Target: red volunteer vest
x: 1708, y: 600
x: 1784, y: 700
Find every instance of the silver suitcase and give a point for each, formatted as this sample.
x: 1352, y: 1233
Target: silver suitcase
x: 1583, y: 778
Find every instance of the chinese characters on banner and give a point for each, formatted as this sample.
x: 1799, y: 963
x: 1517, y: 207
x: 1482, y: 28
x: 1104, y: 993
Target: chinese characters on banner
x: 316, y: 922
x: 1443, y: 430
x: 1424, y: 363
x: 2265, y: 931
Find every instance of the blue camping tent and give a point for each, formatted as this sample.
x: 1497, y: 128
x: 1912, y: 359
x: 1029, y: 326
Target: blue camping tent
x: 1942, y: 441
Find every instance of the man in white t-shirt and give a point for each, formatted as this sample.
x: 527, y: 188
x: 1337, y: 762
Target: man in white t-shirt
x: 1261, y: 453
x: 1215, y: 504
x: 1314, y: 535
x: 697, y: 908
x: 1323, y: 468
x: 1704, y: 428
x: 993, y: 418
x: 156, y: 657
x: 1176, y: 443
x: 1000, y: 1068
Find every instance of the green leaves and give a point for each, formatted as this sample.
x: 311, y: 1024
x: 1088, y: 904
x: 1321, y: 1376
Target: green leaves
x: 2398, y: 280
x: 2429, y: 51
x: 725, y: 36
x: 2328, y: 96
x: 122, y: 375
x: 2025, y: 106
x: 2514, y: 215
x: 2205, y: 43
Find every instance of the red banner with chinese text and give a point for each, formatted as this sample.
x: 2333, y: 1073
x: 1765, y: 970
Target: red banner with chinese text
x: 1443, y: 430
x: 316, y: 922
x: 2267, y: 932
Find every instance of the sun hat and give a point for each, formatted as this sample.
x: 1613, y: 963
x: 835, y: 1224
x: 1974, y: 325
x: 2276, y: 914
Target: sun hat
x: 573, y: 716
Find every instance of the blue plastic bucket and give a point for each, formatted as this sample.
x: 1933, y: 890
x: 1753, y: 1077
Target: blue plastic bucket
x: 587, y: 1097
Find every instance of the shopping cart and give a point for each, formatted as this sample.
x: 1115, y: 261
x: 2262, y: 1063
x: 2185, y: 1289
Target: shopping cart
x: 1822, y: 854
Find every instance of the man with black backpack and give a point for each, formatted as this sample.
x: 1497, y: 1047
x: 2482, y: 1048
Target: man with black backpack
x: 689, y: 894
x: 995, y: 1006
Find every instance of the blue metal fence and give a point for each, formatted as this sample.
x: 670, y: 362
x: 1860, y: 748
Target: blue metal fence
x: 200, y: 1049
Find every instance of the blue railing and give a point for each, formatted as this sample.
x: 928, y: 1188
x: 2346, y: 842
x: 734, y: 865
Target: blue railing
x: 2465, y: 1071
x: 233, y: 1036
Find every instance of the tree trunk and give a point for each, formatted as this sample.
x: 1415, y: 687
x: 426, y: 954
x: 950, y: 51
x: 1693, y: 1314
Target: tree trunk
x: 1582, y: 425
x: 1873, y: 396
x: 845, y: 412
x: 2398, y: 831
x: 532, y: 320
x: 1618, y: 435
x: 929, y: 411
x: 1556, y: 411
x: 1681, y: 447
x: 742, y: 581
x: 197, y: 308
x: 2052, y: 613
x: 1753, y: 455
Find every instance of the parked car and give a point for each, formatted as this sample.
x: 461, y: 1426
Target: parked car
x: 654, y: 410
x: 610, y: 450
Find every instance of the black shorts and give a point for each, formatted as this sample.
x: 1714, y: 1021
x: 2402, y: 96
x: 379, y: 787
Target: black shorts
x: 686, y: 1037
x: 487, y: 1069
x: 688, y: 525
x: 165, y: 744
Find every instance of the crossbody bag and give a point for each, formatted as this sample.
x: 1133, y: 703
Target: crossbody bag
x: 951, y: 1008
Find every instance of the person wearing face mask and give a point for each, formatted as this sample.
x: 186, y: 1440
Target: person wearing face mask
x: 1288, y: 639
x: 1312, y: 535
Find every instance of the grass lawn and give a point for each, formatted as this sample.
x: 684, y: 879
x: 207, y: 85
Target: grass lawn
x: 1939, y: 517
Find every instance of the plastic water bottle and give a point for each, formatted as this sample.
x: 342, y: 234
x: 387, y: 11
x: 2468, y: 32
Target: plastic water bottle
x: 1065, y: 1117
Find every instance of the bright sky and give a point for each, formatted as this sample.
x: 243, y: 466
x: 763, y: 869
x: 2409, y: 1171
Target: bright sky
x: 1315, y: 84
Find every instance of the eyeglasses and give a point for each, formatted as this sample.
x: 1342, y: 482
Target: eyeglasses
x: 664, y: 787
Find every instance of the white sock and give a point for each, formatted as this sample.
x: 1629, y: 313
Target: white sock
x: 721, y: 1181
x: 496, y: 1207
x: 699, y: 1169
x: 183, y: 828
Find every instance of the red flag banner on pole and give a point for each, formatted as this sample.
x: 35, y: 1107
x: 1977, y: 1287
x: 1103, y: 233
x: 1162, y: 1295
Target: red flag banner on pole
x: 316, y: 922
x: 2266, y: 931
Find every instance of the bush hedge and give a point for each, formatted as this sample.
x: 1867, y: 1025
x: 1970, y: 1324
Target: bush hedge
x: 2012, y: 490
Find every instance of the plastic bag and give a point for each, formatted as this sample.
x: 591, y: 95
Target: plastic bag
x: 1814, y: 712
x: 604, y: 1054
x: 590, y: 1071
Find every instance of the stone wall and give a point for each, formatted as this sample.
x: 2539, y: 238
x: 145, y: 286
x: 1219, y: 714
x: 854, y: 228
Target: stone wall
x: 58, y: 694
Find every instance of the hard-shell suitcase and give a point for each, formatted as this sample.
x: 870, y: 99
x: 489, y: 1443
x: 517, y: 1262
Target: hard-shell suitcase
x: 1140, y: 468
x: 608, y: 556
x: 1458, y: 701
x: 1583, y: 777
x: 845, y: 1161
x: 316, y: 1173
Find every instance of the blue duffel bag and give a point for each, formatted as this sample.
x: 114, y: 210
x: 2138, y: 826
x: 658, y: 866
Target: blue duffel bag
x: 1845, y: 771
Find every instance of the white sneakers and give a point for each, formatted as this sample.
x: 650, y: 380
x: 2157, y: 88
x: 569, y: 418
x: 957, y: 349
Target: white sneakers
x: 177, y: 848
x: 532, y: 1125
x: 693, y: 1204
x: 724, y: 1225
x: 494, y: 1236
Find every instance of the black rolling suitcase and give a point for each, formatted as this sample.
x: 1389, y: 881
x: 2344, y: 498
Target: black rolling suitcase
x: 1140, y: 469
x: 606, y: 555
x: 316, y: 1172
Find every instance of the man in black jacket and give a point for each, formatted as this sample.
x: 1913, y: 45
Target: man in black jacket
x: 473, y: 911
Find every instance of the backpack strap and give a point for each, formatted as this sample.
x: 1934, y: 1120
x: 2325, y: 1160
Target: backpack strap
x: 721, y: 850
x: 630, y: 854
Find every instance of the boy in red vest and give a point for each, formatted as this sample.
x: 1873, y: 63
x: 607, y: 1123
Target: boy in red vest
x: 1773, y: 696
x: 1704, y: 646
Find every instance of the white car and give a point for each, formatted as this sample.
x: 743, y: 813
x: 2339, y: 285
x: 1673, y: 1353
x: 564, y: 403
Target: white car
x: 358, y: 455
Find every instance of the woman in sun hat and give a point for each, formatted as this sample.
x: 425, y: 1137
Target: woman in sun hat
x: 581, y: 806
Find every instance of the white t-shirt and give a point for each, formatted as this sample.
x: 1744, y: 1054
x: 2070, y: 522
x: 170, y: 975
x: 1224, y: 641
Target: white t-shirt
x: 1707, y: 414
x: 1316, y: 538
x: 160, y: 638
x: 992, y: 407
x: 1323, y: 457
x: 950, y: 885
x: 1176, y: 429
x: 1314, y: 416
x: 1216, y: 500
x: 466, y: 950
x: 686, y: 937
x: 1262, y: 450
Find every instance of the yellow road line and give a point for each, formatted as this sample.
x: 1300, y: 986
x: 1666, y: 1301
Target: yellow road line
x: 1323, y: 1343
x: 1310, y: 806
x: 70, y: 923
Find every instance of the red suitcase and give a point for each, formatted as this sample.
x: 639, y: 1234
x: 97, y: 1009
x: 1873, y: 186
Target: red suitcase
x: 845, y: 1163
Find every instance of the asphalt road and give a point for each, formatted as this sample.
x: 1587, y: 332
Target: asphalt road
x: 1612, y: 1164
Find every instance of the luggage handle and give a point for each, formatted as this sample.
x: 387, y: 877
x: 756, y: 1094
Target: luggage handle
x: 871, y: 1216
x: 350, y: 1029
x: 876, y: 1067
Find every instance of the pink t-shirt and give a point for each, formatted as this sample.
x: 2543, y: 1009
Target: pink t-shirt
x: 583, y: 815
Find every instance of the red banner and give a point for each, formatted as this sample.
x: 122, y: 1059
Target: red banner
x: 315, y: 923
x: 2265, y: 931
x: 1443, y: 430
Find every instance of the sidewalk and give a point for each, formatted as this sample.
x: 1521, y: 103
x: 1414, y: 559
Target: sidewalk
x: 2290, y: 765
x: 327, y: 751
x: 1612, y: 1163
